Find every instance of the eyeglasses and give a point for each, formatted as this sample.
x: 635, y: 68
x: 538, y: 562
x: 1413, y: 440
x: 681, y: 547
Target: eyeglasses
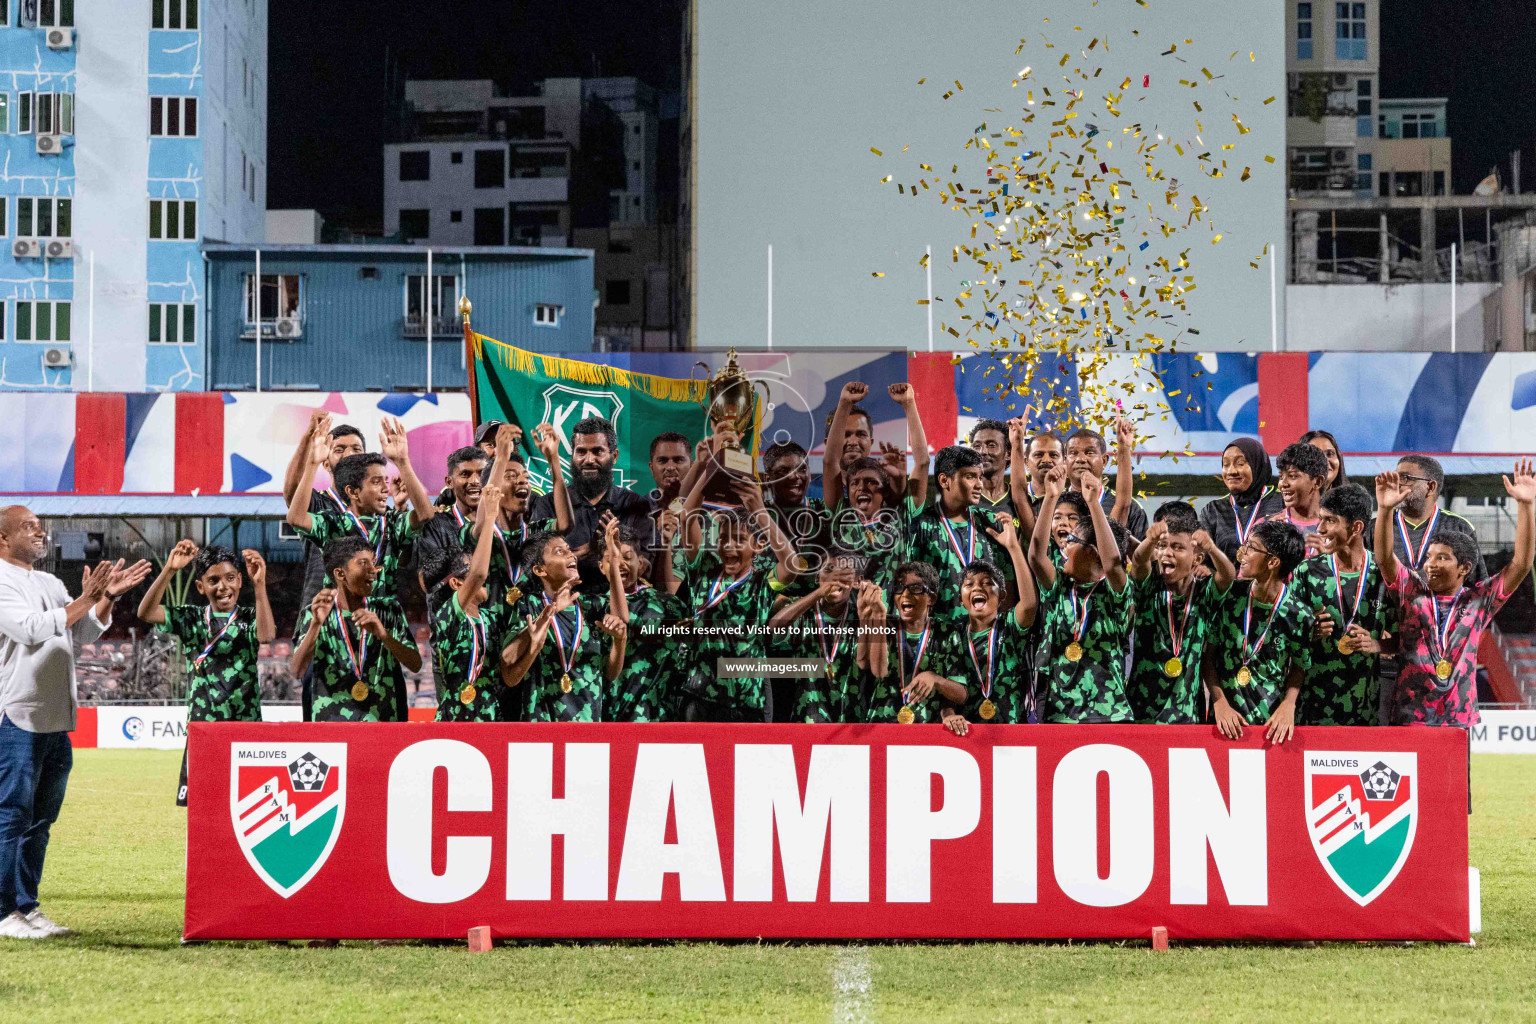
x: 914, y: 589
x: 1254, y: 549
x: 1415, y: 479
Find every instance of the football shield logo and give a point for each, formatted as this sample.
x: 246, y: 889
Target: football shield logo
x: 1362, y: 811
x: 286, y: 801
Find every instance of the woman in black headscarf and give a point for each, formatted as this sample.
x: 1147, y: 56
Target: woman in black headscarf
x: 1251, y: 497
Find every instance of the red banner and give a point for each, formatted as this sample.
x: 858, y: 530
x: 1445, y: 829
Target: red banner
x: 672, y: 831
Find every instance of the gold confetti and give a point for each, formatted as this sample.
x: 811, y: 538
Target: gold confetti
x: 875, y: 151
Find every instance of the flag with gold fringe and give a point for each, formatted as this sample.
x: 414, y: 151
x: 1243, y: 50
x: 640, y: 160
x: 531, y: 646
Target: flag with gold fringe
x: 529, y: 388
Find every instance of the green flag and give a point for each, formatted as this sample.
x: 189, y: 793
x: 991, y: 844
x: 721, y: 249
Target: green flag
x: 529, y: 388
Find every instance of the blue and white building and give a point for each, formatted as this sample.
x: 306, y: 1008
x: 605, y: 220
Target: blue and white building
x: 131, y: 131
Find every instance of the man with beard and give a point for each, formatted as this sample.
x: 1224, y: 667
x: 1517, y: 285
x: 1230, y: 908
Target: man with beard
x: 594, y: 449
x: 670, y: 461
x: 1041, y: 454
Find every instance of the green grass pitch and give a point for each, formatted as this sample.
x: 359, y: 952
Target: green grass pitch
x: 115, y: 874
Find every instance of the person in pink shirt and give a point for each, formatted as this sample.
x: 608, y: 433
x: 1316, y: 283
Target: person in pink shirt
x: 1303, y: 478
x: 1442, y: 618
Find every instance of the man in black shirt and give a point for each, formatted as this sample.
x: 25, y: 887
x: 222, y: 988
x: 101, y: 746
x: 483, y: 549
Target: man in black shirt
x: 1087, y: 452
x: 444, y: 532
x: 594, y: 496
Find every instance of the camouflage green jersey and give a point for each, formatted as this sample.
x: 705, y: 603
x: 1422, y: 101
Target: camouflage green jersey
x: 466, y: 662
x: 1156, y: 697
x: 875, y: 547
x: 335, y: 672
x: 1097, y: 618
x: 806, y: 526
x: 222, y: 684
x: 832, y: 695
x: 907, y: 654
x: 949, y: 545
x: 733, y: 606
x: 392, y: 536
x: 1004, y: 645
x: 506, y: 550
x: 543, y: 698
x: 651, y: 685
x: 1286, y: 644
x: 1342, y: 689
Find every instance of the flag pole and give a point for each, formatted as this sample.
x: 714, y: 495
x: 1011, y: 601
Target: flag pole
x: 469, y: 362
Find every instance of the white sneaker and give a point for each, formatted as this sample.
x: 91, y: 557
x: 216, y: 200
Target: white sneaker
x: 14, y: 926
x: 39, y: 920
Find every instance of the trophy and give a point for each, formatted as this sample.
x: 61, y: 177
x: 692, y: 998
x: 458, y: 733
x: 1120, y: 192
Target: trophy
x: 730, y: 402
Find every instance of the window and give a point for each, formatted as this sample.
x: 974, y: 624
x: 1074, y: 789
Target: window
x: 1349, y: 31
x: 444, y: 296
x: 547, y: 314
x: 5, y: 107
x: 280, y: 297
x: 368, y: 273
x: 24, y: 113
x: 54, y: 112
x: 490, y: 168
x: 43, y: 217
x: 489, y: 228
x: 617, y: 292
x: 1303, y: 31
x: 171, y: 219
x: 173, y: 115
x: 415, y: 165
x: 1365, y: 123
x: 415, y: 223
x: 1419, y: 126
x: 456, y: 157
x: 173, y: 14
x: 42, y: 321
x: 55, y: 13
x: 3, y: 225
x: 5, y: 19
x: 1363, y: 162
x: 455, y: 216
x: 1439, y: 183
x: 172, y: 323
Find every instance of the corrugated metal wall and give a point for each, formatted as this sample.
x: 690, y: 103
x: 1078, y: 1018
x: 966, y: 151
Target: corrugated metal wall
x: 354, y: 338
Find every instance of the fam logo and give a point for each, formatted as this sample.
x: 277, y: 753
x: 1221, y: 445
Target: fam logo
x: 564, y: 407
x: 133, y: 727
x: 1362, y: 812
x: 286, y: 801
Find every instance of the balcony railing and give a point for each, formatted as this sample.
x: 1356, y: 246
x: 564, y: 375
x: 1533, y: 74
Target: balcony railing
x: 416, y: 326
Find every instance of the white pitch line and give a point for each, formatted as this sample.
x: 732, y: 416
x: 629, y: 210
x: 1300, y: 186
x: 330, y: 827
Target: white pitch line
x: 852, y: 990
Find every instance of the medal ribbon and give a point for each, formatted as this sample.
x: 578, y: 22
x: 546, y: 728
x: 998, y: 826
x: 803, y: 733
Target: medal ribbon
x: 357, y: 656
x: 1416, y: 558
x: 967, y: 555
x: 821, y: 632
x: 1249, y: 655
x: 1237, y: 520
x: 985, y: 678
x: 208, y: 620
x: 718, y: 591
x: 476, y: 643
x: 514, y: 572
x: 378, y: 549
x: 1079, y: 626
x: 1338, y: 582
x: 1178, y: 634
x: 901, y: 643
x: 566, y: 662
x: 330, y: 492
x: 1443, y: 632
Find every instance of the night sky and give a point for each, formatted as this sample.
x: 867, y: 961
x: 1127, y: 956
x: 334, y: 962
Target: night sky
x: 329, y: 97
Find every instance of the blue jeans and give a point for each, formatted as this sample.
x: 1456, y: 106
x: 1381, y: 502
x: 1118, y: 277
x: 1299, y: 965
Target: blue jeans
x: 34, y: 771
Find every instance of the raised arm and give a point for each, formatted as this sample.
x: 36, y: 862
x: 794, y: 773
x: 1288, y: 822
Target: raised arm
x: 517, y: 657
x: 298, y: 502
x: 1523, y: 489
x: 1018, y: 477
x: 905, y: 395
x: 784, y: 552
x: 1222, y: 570
x: 873, y: 652
x: 480, y: 558
x: 693, y: 530
x: 256, y: 569
x: 180, y: 557
x: 618, y: 601
x: 1008, y: 537
x: 1141, y: 558
x: 1040, y: 539
x: 1103, y: 537
x: 1389, y: 492
x: 789, y: 612
x: 1125, y: 447
x: 319, y: 426
x: 393, y: 443
x: 549, y: 446
x: 832, y: 461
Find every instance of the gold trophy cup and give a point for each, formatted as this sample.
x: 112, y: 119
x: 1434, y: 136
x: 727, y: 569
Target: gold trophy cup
x: 729, y: 402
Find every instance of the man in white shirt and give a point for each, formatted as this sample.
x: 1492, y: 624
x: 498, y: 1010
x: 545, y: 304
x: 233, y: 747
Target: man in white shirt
x: 39, y: 629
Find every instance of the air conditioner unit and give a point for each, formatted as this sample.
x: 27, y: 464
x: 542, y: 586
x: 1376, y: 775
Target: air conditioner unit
x: 51, y: 143
x: 27, y: 248
x: 61, y: 39
x: 1341, y: 158
x: 1340, y: 80
x: 57, y: 358
x: 59, y: 249
x: 289, y: 327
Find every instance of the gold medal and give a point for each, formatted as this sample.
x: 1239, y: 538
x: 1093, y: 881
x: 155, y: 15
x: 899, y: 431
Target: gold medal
x: 467, y: 695
x: 829, y: 670
x: 1173, y: 668
x: 676, y: 505
x: 1244, y: 677
x: 905, y: 716
x: 514, y: 595
x: 1346, y: 645
x: 359, y: 691
x: 988, y: 710
x: 1074, y: 651
x: 1443, y: 669
x: 565, y: 683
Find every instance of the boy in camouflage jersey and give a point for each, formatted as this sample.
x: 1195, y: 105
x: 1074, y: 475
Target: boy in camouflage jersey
x: 222, y: 659
x: 356, y: 656
x: 467, y: 632
x: 509, y: 473
x: 952, y: 532
x: 1261, y: 655
x: 824, y: 624
x: 1175, y: 608
x: 1346, y: 592
x: 904, y: 686
x: 391, y: 533
x: 990, y: 653
x: 571, y: 678
x: 1085, y: 605
x: 650, y: 687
